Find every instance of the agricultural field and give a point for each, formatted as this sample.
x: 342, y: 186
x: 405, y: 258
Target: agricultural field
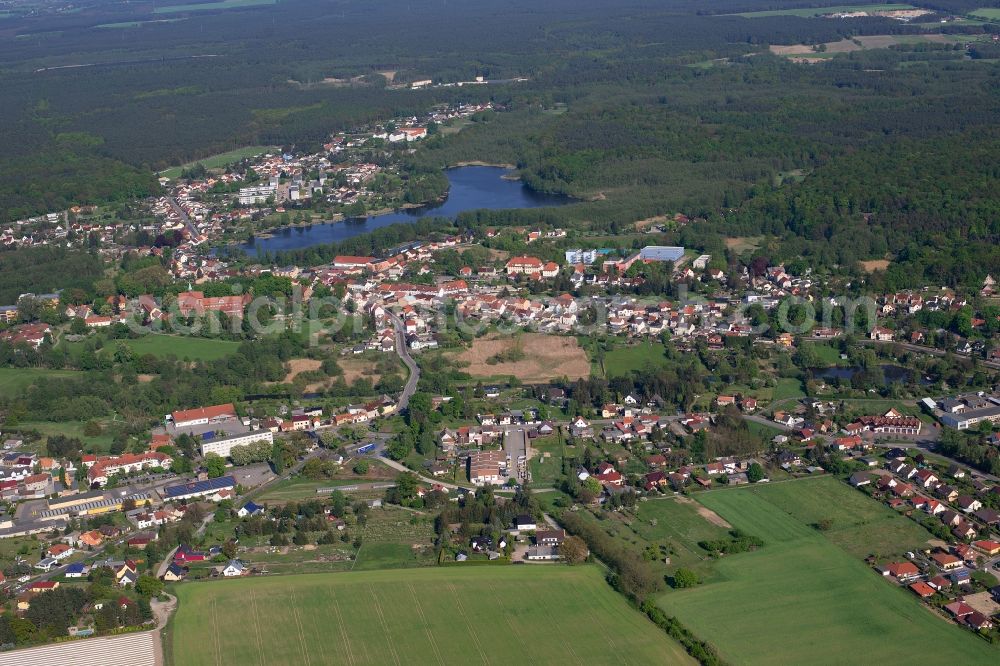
x: 806, y: 52
x: 787, y: 387
x: 222, y: 159
x: 829, y: 605
x: 14, y: 381
x: 446, y: 615
x: 814, y: 12
x: 622, y: 360
x: 989, y: 13
x: 532, y: 357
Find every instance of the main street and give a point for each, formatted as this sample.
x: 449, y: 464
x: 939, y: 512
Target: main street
x: 185, y: 218
x: 404, y: 355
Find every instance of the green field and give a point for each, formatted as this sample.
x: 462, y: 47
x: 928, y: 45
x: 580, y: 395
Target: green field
x: 623, y: 360
x: 678, y: 524
x: 196, y: 349
x: 803, y: 600
x: 449, y: 615
x: 135, y: 24
x: 305, y: 489
x: 546, y: 471
x: 99, y: 444
x: 991, y: 13
x: 810, y: 12
x: 225, y: 4
x: 858, y: 524
x: 220, y: 160
x: 786, y: 388
x: 14, y: 381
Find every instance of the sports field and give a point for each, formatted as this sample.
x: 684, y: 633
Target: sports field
x: 450, y: 615
x: 801, y: 599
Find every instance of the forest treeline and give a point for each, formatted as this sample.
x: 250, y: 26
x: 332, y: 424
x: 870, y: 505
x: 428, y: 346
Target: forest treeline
x: 149, y: 99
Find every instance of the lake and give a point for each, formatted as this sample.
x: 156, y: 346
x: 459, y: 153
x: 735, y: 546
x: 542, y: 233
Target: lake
x: 472, y: 188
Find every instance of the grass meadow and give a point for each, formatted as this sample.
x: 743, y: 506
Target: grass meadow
x: 196, y: 349
x: 448, y: 615
x: 624, y: 359
x: 222, y: 159
x: 14, y: 381
x: 802, y: 598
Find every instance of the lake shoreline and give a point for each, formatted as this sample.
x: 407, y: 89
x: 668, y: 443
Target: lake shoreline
x: 470, y: 188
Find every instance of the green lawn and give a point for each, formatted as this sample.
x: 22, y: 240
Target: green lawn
x: 678, y: 524
x: 546, y: 471
x: 449, y: 615
x: 98, y: 444
x: 991, y: 13
x: 828, y: 354
x: 222, y: 159
x: 305, y: 489
x: 14, y: 381
x: 788, y: 387
x: 858, y: 524
x: 810, y: 12
x: 224, y: 4
x: 623, y: 360
x: 803, y: 600
x: 196, y: 349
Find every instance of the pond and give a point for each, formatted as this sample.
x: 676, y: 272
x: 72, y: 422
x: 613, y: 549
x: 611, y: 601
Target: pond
x: 471, y: 188
x: 892, y: 374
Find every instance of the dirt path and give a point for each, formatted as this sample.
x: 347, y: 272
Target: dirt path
x: 161, y: 613
x: 706, y: 513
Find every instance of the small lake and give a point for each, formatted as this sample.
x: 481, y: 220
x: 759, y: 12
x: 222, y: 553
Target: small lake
x: 892, y: 374
x: 472, y: 188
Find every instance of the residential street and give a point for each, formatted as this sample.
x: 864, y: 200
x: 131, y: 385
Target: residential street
x: 404, y: 355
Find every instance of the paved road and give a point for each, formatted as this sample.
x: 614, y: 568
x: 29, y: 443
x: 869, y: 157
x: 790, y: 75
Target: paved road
x: 426, y: 479
x: 763, y: 420
x: 184, y: 217
x: 404, y: 355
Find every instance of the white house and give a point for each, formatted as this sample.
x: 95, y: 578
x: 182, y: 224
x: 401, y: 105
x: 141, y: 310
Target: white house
x: 234, y: 568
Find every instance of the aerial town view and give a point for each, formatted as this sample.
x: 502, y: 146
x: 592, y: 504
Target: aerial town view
x: 405, y: 332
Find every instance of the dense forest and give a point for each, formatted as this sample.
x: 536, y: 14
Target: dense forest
x: 638, y: 108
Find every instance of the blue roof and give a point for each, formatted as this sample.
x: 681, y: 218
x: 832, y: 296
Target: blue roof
x: 200, y: 486
x: 253, y: 508
x: 76, y: 567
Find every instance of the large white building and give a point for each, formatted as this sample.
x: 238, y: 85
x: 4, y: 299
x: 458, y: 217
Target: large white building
x: 224, y: 445
x: 661, y: 253
x: 586, y: 257
x: 257, y: 194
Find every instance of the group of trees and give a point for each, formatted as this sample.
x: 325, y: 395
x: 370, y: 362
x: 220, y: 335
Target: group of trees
x: 51, y: 614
